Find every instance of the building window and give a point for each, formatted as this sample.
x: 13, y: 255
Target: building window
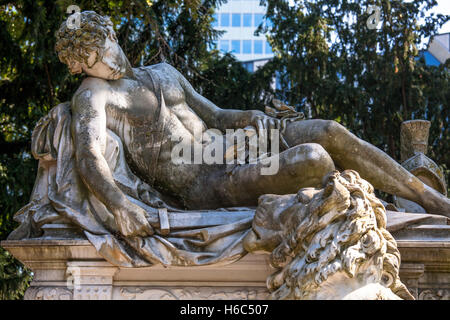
x: 224, y: 19
x: 268, y: 48
x: 258, y: 19
x: 247, y: 19
x: 236, y: 20
x: 248, y: 66
x: 236, y: 46
x: 224, y: 45
x: 258, y: 47
x: 247, y: 46
x: 215, y: 22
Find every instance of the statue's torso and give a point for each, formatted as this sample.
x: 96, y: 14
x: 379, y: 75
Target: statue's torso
x: 134, y: 115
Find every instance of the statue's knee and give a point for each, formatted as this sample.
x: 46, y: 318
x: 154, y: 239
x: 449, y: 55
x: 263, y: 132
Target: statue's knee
x: 317, y: 157
x: 331, y: 132
x: 314, y: 158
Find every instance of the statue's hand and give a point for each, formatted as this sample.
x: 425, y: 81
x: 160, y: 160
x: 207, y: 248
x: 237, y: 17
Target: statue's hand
x: 132, y: 220
x: 262, y: 121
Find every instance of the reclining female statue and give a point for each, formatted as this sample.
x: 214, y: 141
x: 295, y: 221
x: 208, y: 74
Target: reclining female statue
x: 128, y: 101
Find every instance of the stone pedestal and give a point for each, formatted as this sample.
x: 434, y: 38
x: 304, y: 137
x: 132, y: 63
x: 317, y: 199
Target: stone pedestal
x: 72, y: 269
x: 425, y: 268
x: 425, y: 254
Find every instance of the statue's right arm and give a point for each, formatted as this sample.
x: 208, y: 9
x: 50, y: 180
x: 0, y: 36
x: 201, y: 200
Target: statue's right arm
x: 89, y: 136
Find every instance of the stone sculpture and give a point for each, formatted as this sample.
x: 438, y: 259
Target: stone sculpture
x: 106, y: 169
x: 414, y: 145
x: 328, y: 243
x: 145, y: 107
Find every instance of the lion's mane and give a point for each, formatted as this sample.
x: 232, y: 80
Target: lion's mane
x: 343, y: 228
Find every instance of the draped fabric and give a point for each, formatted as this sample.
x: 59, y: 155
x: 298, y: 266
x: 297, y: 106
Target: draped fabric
x: 60, y: 196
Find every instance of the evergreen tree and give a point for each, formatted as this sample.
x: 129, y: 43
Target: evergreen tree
x: 32, y: 80
x: 369, y: 80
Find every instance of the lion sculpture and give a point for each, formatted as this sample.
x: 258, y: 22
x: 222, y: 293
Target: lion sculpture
x: 328, y: 243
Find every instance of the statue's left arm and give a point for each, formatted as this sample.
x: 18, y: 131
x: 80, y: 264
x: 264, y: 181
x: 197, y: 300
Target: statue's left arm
x: 216, y: 117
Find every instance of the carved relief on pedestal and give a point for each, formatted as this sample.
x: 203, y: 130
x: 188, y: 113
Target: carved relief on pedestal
x: 192, y: 293
x: 410, y: 273
x: 48, y: 293
x: 435, y: 294
x: 92, y: 293
x: 90, y: 280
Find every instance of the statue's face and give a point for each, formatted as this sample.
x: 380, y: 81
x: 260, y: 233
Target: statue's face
x: 111, y: 66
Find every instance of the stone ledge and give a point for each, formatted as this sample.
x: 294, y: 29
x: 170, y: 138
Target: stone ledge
x: 60, y: 266
x: 55, y: 256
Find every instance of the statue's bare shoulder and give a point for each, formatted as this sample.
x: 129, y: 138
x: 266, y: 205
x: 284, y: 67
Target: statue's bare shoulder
x: 170, y: 75
x: 91, y: 90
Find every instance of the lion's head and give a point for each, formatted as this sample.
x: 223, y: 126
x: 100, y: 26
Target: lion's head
x: 321, y: 237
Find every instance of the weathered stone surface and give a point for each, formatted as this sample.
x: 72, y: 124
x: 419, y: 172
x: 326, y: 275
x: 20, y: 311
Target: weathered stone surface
x: 424, y: 270
x: 190, y: 293
x: 107, y: 174
x: 414, y: 145
x: 414, y: 138
x: 328, y: 243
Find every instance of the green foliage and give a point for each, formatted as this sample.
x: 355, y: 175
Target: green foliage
x: 32, y: 80
x: 368, y: 80
x: 14, y: 277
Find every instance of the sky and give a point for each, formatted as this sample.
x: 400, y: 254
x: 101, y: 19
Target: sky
x: 443, y: 7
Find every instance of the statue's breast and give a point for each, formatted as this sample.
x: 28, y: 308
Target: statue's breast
x: 134, y: 99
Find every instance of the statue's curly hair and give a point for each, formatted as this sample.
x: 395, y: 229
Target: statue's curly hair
x: 344, y: 229
x: 76, y: 43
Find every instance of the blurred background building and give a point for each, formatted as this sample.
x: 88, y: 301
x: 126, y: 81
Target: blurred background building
x: 239, y: 19
x: 438, y: 50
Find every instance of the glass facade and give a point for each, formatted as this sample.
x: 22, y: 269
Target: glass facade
x: 248, y: 66
x: 239, y: 20
x: 236, y: 20
x: 247, y: 19
x: 244, y: 46
x: 268, y: 48
x: 236, y: 46
x: 247, y: 46
x: 224, y: 45
x: 257, y: 46
x: 258, y: 19
x: 225, y: 20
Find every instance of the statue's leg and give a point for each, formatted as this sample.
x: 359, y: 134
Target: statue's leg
x: 302, y: 166
x: 350, y: 152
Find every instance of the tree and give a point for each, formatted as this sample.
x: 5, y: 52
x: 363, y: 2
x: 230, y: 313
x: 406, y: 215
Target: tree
x: 369, y: 80
x: 32, y: 80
